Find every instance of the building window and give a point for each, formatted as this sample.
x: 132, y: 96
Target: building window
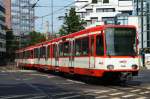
x: 83, y: 15
x: 122, y: 20
x: 94, y: 19
x: 99, y: 10
x: 125, y: 0
x: 105, y: 10
x: 88, y: 22
x: 105, y: 1
x: 108, y: 20
x: 99, y: 0
x: 88, y: 11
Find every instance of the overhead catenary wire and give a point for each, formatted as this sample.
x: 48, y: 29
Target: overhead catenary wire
x: 57, y: 11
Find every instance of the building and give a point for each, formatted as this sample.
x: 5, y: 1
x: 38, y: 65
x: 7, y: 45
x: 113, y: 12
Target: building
x: 103, y: 11
x: 142, y: 10
x: 2, y: 32
x: 7, y: 4
x: 22, y: 19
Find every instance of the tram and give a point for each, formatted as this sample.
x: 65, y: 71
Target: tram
x: 102, y: 51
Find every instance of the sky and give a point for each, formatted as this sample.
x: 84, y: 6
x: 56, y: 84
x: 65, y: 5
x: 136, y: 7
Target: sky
x: 58, y: 10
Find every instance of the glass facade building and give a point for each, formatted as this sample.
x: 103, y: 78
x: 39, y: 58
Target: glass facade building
x: 2, y: 32
x: 22, y: 18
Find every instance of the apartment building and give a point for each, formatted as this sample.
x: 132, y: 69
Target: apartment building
x: 104, y: 11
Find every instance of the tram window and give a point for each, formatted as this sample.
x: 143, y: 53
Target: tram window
x: 16, y: 56
x: 42, y: 52
x: 85, y: 46
x: 21, y: 55
x: 27, y: 54
x: 48, y: 52
x: 78, y: 47
x: 92, y: 46
x: 36, y: 53
x: 66, y: 49
x: 99, y: 45
x: 54, y: 51
x: 31, y: 54
x: 60, y: 49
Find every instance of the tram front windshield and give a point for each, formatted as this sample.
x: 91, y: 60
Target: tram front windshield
x: 120, y: 41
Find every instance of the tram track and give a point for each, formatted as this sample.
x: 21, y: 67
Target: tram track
x: 131, y: 89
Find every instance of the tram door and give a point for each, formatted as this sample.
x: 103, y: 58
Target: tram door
x: 92, y: 50
x: 72, y: 50
x: 56, y: 54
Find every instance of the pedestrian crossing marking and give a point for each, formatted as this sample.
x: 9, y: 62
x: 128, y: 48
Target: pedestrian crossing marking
x: 69, y: 97
x: 102, y: 91
x: 101, y: 97
x: 135, y: 90
x: 142, y: 98
x: 145, y: 92
x: 127, y: 96
x: 115, y: 98
x: 118, y: 93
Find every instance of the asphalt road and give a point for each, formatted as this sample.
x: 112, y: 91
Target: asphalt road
x: 30, y: 84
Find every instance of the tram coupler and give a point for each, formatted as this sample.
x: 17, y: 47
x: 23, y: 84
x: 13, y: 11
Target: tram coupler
x: 126, y: 76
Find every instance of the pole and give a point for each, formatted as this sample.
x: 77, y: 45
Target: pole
x: 143, y: 55
x: 52, y: 15
x: 142, y: 24
x: 46, y: 30
x: 137, y: 7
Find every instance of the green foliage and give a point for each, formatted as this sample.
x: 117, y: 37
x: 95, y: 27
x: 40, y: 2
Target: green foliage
x: 35, y: 37
x: 11, y: 45
x: 72, y: 23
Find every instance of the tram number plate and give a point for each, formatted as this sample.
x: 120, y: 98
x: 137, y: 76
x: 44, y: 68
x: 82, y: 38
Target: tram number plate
x: 123, y: 65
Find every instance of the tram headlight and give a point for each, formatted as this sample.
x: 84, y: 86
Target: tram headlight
x: 134, y: 66
x: 110, y: 67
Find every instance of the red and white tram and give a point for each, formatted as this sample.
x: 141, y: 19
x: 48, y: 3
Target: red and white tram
x: 97, y: 51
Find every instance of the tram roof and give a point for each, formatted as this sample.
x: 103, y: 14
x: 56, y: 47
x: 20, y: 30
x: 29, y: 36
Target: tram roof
x: 85, y: 31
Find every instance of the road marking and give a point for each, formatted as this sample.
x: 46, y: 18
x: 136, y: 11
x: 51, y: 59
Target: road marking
x: 3, y: 74
x: 70, y: 97
x: 17, y: 96
x: 142, y: 98
x: 127, y: 96
x: 145, y: 92
x: 87, y: 91
x: 75, y: 81
x: 25, y: 71
x: 148, y: 87
x: 101, y: 91
x: 44, y: 75
x: 3, y: 71
x: 114, y: 94
x: 135, y: 90
x: 101, y: 97
x: 36, y: 97
x: 62, y: 93
x: 115, y: 98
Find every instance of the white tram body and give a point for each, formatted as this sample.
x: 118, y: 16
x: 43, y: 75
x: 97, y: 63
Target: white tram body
x: 92, y: 52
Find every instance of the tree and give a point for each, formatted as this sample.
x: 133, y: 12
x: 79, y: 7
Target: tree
x: 72, y: 23
x: 11, y: 45
x: 35, y: 37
